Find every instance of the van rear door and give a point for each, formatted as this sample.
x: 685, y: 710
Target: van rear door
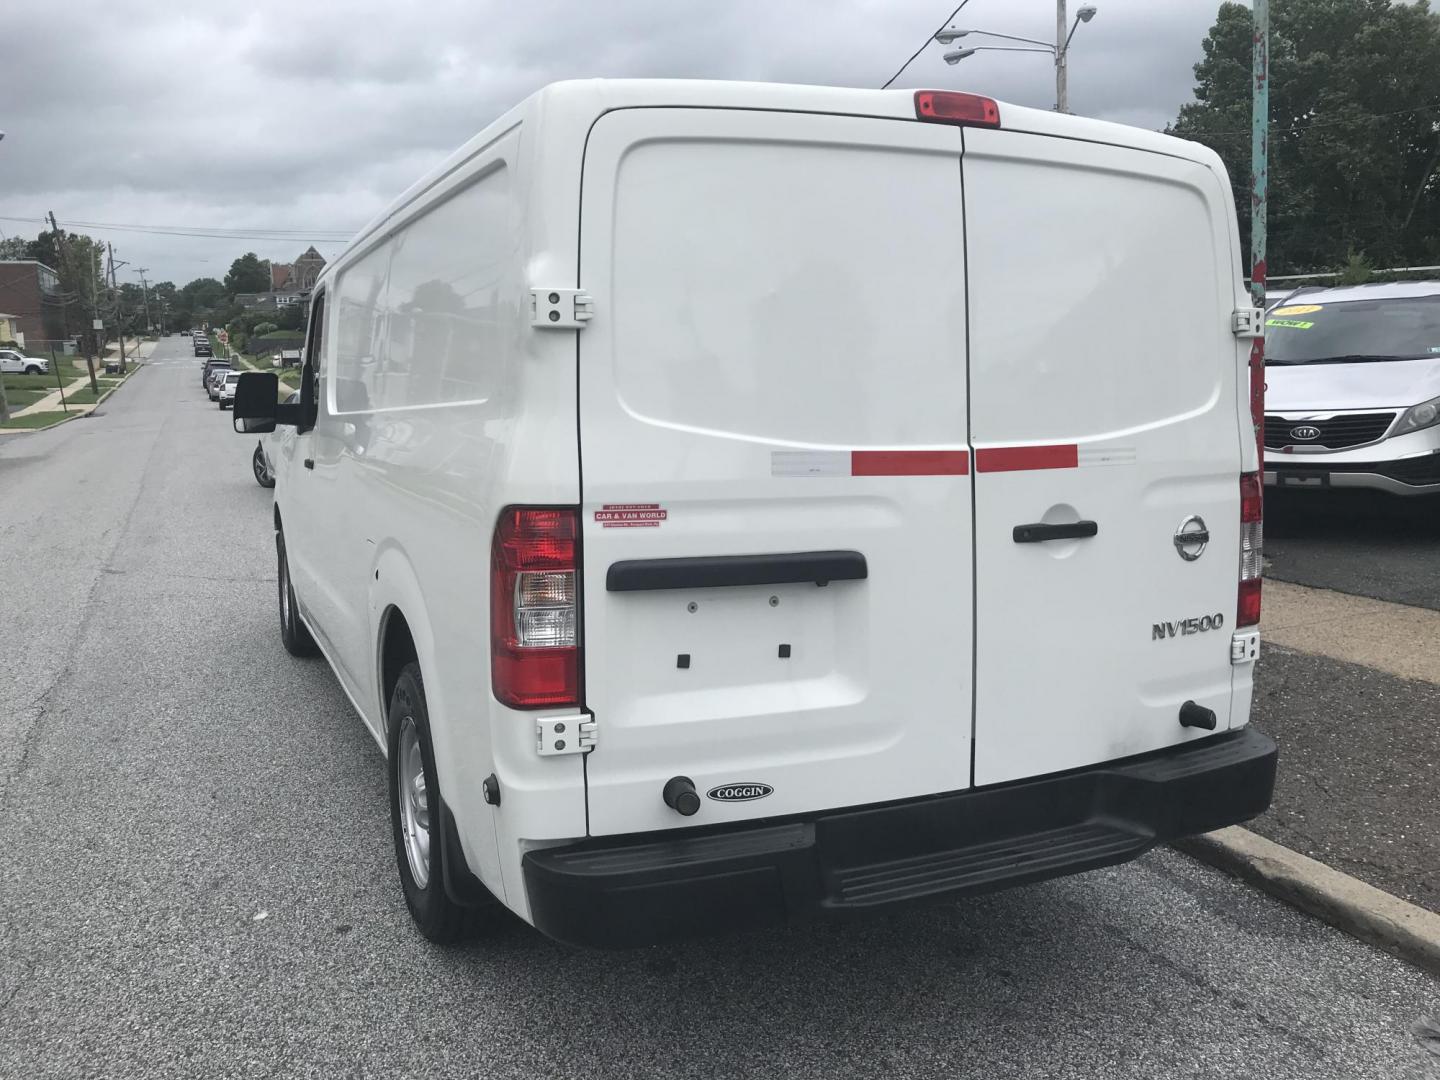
x: 774, y: 467
x: 1103, y: 375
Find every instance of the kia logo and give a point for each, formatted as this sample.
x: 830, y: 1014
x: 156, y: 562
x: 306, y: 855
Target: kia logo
x: 1305, y: 433
x: 739, y: 792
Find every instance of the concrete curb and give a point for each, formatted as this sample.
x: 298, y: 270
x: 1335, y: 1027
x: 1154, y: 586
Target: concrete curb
x: 1346, y: 903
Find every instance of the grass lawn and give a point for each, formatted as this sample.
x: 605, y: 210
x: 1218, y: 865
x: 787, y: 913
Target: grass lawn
x: 33, y: 382
x: 289, y: 377
x: 36, y: 420
x: 18, y: 399
x: 82, y: 396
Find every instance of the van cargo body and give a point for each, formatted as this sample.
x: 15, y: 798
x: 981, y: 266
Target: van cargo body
x: 835, y: 536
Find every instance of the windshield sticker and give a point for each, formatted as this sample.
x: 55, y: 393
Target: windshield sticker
x: 1290, y: 324
x: 1297, y: 309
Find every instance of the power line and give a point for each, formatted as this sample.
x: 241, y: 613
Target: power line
x: 927, y: 41
x: 335, y: 236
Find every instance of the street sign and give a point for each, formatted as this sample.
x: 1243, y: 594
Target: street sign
x: 98, y: 324
x: 222, y: 337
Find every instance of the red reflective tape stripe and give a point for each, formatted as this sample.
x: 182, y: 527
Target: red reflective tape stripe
x: 909, y: 462
x: 1020, y: 458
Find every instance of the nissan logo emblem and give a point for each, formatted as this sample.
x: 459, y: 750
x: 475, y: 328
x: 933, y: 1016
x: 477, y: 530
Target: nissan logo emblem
x: 1191, y: 538
x: 1305, y: 433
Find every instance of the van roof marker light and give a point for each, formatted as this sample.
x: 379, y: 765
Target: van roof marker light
x: 952, y: 107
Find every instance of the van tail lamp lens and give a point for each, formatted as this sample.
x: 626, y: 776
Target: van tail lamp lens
x: 1252, y: 544
x: 949, y: 107
x: 534, y: 616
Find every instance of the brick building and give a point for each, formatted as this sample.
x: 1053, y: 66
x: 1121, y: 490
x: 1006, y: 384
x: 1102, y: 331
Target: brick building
x: 30, y: 295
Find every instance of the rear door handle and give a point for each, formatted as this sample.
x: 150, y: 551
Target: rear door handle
x: 310, y: 464
x: 1039, y: 532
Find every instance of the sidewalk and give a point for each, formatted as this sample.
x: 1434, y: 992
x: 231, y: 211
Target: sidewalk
x: 1350, y: 689
x: 134, y: 352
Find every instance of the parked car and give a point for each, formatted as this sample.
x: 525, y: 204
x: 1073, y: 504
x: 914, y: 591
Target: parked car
x: 260, y: 460
x: 14, y: 362
x: 217, y: 380
x: 186, y: 333
x: 886, y: 591
x: 1352, y: 397
x: 203, y: 348
x: 226, y: 389
x: 211, y: 366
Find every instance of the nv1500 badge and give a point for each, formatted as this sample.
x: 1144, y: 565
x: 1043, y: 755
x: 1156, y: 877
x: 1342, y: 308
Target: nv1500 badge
x: 1185, y: 627
x: 739, y: 792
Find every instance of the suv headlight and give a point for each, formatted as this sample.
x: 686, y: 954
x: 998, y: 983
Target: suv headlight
x: 1419, y: 417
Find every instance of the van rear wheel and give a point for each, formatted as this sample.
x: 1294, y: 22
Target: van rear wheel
x: 415, y: 814
x: 293, y: 635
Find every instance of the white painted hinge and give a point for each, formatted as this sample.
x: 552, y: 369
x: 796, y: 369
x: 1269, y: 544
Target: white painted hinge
x: 564, y: 735
x: 1245, y: 646
x: 560, y: 309
x: 1248, y: 322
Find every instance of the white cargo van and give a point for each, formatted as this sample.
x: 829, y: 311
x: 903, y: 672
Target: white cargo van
x: 711, y: 535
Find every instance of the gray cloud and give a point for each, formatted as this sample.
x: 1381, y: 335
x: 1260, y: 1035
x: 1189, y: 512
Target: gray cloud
x: 314, y: 115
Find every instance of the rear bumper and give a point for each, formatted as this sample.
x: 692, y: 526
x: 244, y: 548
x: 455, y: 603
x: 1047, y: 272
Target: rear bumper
x: 621, y: 892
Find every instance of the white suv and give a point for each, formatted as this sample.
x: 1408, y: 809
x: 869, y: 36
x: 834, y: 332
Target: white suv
x: 17, y: 363
x: 1352, y: 389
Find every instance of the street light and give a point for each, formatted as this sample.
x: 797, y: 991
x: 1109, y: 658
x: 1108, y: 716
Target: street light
x: 955, y: 57
x: 1060, y: 50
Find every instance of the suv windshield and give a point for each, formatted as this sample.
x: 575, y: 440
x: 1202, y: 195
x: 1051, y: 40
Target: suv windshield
x: 1385, y: 328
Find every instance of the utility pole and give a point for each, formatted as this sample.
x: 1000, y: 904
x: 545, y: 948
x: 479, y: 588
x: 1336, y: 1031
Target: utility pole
x: 115, y: 294
x: 1062, y: 59
x: 1259, y: 199
x: 65, y: 261
x: 145, y: 291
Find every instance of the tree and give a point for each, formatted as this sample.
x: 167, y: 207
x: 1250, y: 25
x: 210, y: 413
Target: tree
x: 14, y: 247
x: 290, y: 317
x: 1354, y: 128
x: 247, y: 275
x: 203, y: 294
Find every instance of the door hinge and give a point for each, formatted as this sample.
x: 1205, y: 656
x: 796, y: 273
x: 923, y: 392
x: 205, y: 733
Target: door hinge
x: 560, y: 309
x: 1248, y: 322
x: 1245, y: 647
x: 564, y: 735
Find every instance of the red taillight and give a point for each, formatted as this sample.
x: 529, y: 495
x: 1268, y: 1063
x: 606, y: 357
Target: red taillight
x: 1252, y: 543
x: 534, y: 608
x: 950, y: 107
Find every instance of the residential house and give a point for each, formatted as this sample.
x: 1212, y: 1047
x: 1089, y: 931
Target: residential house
x: 30, y: 291
x: 290, y: 283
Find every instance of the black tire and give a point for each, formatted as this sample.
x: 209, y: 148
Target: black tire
x: 262, y: 472
x: 293, y: 635
x: 438, y: 918
x: 33, y: 370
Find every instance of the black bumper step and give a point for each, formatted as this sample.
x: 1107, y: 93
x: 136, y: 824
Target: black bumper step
x: 621, y: 892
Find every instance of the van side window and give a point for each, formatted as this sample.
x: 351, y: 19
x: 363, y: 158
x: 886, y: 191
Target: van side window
x: 310, y: 393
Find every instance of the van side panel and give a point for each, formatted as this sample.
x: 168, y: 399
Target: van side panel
x: 444, y: 406
x: 1104, y: 379
x: 775, y: 367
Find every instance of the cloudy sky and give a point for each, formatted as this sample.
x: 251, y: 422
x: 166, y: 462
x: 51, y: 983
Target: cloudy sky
x: 299, y: 120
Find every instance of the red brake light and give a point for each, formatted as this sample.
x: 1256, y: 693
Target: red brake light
x: 534, y: 608
x: 1252, y: 543
x: 950, y: 107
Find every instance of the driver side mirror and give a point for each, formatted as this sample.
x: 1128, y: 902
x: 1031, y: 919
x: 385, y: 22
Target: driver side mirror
x: 257, y: 407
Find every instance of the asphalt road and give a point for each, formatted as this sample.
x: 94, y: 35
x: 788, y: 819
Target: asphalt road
x: 196, y: 874
x: 1368, y: 544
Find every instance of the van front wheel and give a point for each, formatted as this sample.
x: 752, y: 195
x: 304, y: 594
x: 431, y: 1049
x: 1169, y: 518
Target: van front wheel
x: 415, y: 814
